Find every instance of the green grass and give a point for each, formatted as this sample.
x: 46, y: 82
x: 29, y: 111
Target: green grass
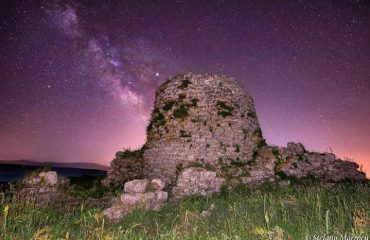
x: 265, y: 212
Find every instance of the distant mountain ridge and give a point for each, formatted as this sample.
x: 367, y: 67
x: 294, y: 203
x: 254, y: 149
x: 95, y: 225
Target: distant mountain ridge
x: 14, y: 170
x: 80, y: 165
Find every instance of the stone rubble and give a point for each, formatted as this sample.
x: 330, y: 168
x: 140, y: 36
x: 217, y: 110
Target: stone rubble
x: 139, y: 193
x: 42, y: 188
x: 296, y: 162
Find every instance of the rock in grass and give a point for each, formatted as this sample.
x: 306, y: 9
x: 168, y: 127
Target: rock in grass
x: 114, y: 213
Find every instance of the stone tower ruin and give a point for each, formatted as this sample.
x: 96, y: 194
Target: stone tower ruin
x: 200, y: 120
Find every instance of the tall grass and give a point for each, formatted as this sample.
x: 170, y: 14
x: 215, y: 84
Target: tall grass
x: 265, y: 212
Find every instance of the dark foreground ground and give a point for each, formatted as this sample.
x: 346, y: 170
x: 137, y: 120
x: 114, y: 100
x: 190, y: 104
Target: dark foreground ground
x: 302, y: 211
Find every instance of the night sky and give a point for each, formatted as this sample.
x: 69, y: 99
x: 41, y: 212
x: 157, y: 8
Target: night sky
x: 77, y: 78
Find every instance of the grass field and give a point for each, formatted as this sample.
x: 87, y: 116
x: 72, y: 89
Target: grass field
x: 266, y: 212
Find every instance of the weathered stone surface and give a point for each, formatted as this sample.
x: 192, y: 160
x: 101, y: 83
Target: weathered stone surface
x: 31, y: 181
x: 299, y: 164
x: 127, y: 165
x: 114, y: 213
x: 295, y: 148
x: 136, y: 186
x: 49, y: 178
x: 134, y: 199
x: 199, y: 119
x: 261, y: 167
x: 43, y: 188
x: 197, y: 181
x: 137, y: 196
x: 157, y: 184
x: 161, y: 196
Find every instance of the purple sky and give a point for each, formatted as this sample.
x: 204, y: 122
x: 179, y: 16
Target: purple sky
x: 78, y: 77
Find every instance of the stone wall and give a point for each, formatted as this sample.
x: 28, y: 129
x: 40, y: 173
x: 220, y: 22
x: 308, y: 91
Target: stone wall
x: 127, y: 165
x: 294, y: 161
x: 200, y: 120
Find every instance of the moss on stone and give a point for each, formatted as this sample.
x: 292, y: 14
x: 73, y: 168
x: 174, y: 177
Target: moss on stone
x: 237, y: 163
x: 181, y: 112
x: 224, y: 110
x: 182, y: 96
x: 168, y: 106
x: 252, y: 161
x: 184, y: 134
x: 237, y: 148
x: 184, y: 84
x: 224, y: 114
x: 194, y: 102
x: 257, y: 132
x: 251, y: 114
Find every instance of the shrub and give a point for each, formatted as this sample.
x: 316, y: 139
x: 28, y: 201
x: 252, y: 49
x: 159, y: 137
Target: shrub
x: 261, y: 143
x: 257, y: 132
x: 157, y: 120
x: 276, y: 152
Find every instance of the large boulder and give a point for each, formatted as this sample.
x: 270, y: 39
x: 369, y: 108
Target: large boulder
x: 197, y: 181
x: 199, y: 119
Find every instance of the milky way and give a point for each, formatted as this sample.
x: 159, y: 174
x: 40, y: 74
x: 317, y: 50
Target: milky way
x: 78, y: 77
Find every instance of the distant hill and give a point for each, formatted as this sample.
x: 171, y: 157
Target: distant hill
x: 13, y: 170
x: 82, y: 165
